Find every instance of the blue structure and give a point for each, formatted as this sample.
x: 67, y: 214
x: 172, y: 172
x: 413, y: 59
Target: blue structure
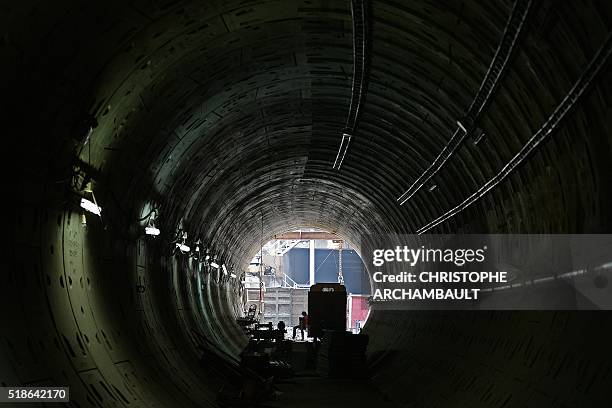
x: 296, y: 266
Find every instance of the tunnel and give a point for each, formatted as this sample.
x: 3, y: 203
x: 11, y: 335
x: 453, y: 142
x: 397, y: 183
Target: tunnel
x: 233, y: 121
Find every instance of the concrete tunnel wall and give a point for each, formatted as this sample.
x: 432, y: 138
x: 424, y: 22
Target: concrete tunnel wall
x: 227, y: 115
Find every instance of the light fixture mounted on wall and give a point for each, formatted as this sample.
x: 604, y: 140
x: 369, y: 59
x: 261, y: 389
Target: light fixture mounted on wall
x: 152, y: 230
x: 90, y: 205
x: 182, y: 246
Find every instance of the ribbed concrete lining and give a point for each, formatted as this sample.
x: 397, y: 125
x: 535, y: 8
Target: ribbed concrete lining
x: 228, y: 115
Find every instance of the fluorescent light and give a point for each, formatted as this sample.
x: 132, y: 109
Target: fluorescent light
x: 183, y: 247
x: 214, y: 265
x: 91, y: 207
x: 152, y: 231
x: 479, y: 137
x: 462, y: 127
x: 224, y: 269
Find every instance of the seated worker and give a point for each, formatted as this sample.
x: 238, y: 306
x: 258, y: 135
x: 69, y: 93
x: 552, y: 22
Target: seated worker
x: 303, y: 325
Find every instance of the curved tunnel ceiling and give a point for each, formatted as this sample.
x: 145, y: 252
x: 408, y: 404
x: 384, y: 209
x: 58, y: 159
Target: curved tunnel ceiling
x: 234, y: 114
x: 227, y: 115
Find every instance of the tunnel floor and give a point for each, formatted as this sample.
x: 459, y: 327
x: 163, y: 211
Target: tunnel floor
x: 311, y: 391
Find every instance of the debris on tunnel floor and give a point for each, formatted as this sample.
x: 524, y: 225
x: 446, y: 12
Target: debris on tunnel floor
x: 332, y: 355
x: 342, y: 355
x: 329, y: 393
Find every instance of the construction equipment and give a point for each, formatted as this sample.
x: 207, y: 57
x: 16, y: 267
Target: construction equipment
x: 249, y: 319
x: 326, y: 308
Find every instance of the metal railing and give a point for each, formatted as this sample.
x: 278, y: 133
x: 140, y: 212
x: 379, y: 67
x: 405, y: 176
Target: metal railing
x: 283, y: 282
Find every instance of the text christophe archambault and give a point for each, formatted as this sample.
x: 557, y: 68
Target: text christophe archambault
x: 431, y: 285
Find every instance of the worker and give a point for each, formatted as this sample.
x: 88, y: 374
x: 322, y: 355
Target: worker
x: 302, y: 325
x: 280, y: 332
